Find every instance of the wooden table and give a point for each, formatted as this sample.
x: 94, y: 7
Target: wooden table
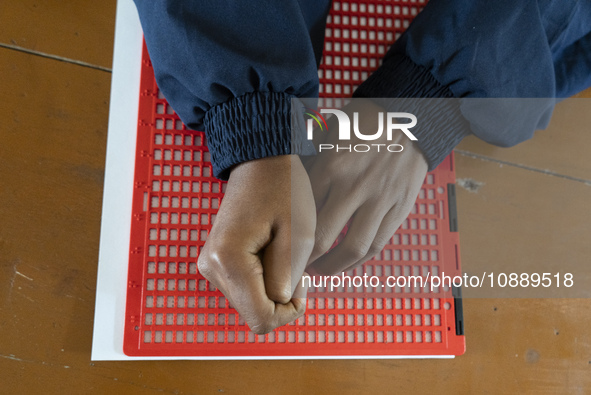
x: 54, y: 96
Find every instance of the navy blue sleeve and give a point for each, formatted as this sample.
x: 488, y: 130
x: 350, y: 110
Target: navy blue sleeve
x: 488, y: 49
x: 231, y: 68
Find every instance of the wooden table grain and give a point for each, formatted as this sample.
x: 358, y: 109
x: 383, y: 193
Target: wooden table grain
x: 54, y: 114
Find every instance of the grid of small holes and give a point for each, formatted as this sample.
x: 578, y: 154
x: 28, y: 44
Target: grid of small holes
x: 329, y: 320
x: 358, y: 35
x: 174, y: 285
x: 182, y: 307
x: 184, y: 196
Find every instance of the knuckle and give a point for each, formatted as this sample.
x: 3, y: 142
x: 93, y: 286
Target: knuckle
x: 205, y: 269
x: 215, y: 261
x: 323, y: 241
x: 358, y: 249
x: 259, y: 319
x: 204, y: 266
x: 282, y: 296
x: 320, y: 249
x: 221, y: 256
x: 300, y: 305
x: 260, y: 326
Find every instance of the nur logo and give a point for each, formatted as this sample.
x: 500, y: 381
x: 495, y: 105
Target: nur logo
x: 391, y: 119
x: 316, y: 116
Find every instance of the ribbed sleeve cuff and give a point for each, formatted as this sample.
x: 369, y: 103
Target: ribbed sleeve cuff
x: 253, y: 126
x: 440, y: 126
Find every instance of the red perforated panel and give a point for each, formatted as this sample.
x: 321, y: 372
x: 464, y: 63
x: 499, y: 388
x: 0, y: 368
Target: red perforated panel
x: 173, y: 311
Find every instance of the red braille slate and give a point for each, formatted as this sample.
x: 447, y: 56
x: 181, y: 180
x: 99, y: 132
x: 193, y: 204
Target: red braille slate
x: 172, y: 310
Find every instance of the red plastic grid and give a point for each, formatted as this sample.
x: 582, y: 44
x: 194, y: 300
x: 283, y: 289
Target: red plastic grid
x: 173, y: 311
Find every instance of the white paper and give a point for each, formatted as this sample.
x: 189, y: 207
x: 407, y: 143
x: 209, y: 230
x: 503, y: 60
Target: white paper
x: 107, y: 341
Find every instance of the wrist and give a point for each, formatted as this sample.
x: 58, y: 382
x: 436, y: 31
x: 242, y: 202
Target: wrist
x: 269, y: 168
x: 401, y: 83
x: 252, y: 126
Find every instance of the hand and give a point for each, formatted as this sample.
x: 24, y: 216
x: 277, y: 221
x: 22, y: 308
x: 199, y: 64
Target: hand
x: 376, y: 190
x: 257, y: 251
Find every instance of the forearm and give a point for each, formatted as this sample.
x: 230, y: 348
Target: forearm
x: 473, y: 49
x: 227, y: 71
